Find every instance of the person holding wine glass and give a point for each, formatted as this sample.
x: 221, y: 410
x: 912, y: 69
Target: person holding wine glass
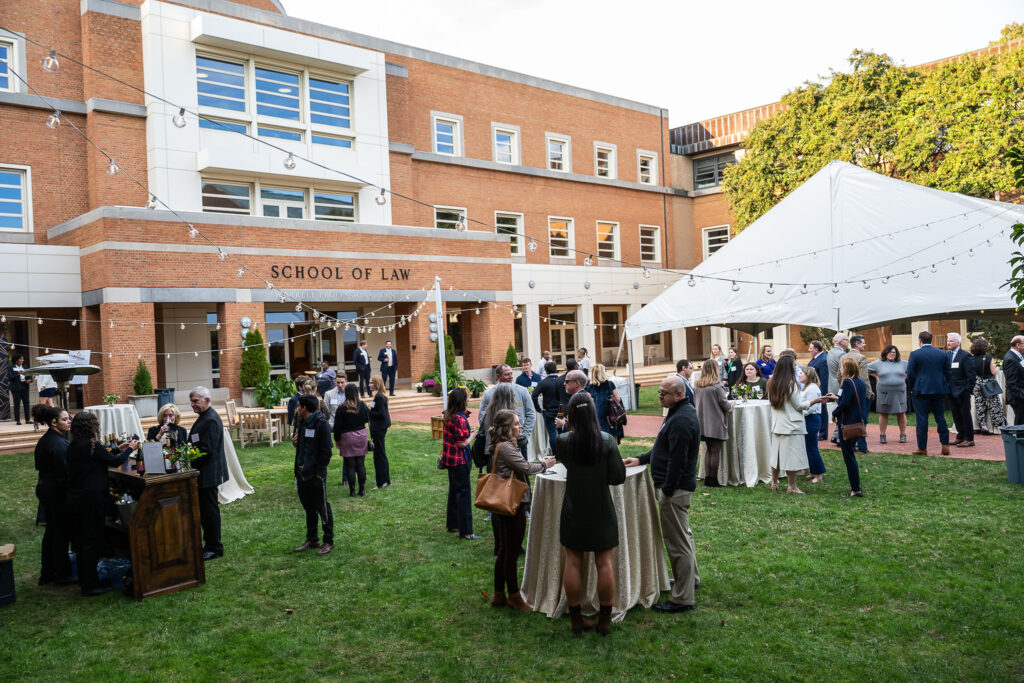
x: 167, y: 430
x: 788, y: 428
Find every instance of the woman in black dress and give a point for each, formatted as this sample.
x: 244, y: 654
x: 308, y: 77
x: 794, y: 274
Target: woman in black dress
x: 88, y: 494
x: 380, y: 420
x: 167, y: 428
x: 52, y: 492
x: 588, y: 522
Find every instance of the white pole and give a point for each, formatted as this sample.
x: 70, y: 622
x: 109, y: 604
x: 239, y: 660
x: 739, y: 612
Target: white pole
x: 632, y: 378
x: 441, y: 354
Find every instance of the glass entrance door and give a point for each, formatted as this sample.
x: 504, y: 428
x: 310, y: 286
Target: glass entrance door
x: 562, y: 335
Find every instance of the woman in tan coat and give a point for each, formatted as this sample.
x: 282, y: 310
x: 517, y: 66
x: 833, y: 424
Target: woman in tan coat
x: 711, y: 399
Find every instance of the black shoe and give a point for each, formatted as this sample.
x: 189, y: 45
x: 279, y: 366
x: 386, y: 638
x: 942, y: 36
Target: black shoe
x: 670, y: 607
x: 360, y: 492
x: 97, y: 591
x: 65, y: 581
x: 210, y: 555
x: 853, y: 494
x: 471, y: 537
x: 351, y: 493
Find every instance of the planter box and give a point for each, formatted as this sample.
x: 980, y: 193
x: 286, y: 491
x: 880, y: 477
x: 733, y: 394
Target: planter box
x: 249, y: 397
x: 145, y: 404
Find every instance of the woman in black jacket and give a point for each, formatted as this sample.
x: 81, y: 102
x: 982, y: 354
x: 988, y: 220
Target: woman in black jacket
x: 52, y: 492
x: 167, y: 428
x: 380, y: 420
x: 88, y: 494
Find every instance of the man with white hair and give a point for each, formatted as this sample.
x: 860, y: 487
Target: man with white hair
x: 524, y: 404
x: 840, y: 345
x: 207, y: 434
x: 962, y: 374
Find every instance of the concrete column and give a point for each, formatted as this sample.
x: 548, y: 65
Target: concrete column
x: 132, y: 336
x: 531, y: 332
x: 638, y: 343
x: 585, y: 329
x: 720, y: 336
x: 229, y: 339
x: 780, y: 338
x: 679, y: 348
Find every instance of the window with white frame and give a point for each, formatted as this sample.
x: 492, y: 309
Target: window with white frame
x: 219, y: 196
x: 15, y: 198
x: 225, y: 197
x: 715, y: 238
x: 506, y: 144
x: 334, y: 206
x: 560, y: 237
x: 282, y: 203
x: 708, y: 171
x: 7, y: 83
x: 277, y: 94
x: 330, y: 102
x: 448, y: 217
x: 604, y: 160
x: 650, y: 243
x: 511, y: 224
x: 447, y: 132
x: 221, y: 83
x: 646, y: 167
x: 559, y: 153
x: 607, y: 240
x: 218, y: 124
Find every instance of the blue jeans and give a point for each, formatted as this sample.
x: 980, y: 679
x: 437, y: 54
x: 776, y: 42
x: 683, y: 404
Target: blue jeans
x: 460, y: 505
x: 549, y: 423
x: 817, y: 465
x: 925, y: 405
x: 823, y: 419
x: 852, y: 469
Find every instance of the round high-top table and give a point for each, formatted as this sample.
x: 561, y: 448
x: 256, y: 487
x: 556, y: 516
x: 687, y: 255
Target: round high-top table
x: 745, y: 458
x: 119, y: 419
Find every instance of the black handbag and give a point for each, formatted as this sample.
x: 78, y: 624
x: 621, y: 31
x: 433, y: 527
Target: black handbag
x: 990, y: 387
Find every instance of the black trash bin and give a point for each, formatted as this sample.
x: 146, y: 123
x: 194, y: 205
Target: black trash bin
x: 164, y: 396
x: 636, y: 394
x: 1013, y: 447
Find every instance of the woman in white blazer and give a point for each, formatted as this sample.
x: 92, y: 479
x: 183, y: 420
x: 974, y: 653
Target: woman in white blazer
x: 788, y: 452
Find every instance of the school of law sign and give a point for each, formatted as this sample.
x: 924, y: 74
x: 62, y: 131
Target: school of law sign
x: 294, y: 271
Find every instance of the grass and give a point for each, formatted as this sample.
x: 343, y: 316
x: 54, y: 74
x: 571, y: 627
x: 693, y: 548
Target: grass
x: 920, y: 580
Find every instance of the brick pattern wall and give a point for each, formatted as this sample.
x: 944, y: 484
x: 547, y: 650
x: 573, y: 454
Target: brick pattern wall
x: 127, y: 342
x: 228, y: 338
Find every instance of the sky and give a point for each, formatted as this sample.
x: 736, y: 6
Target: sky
x: 698, y: 60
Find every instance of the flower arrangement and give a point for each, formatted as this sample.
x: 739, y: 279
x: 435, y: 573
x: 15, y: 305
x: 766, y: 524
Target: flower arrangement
x: 182, y: 455
x: 111, y: 399
x: 743, y: 391
x: 429, y: 385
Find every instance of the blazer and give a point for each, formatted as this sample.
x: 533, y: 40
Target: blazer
x: 820, y: 365
x: 790, y: 418
x: 207, y: 434
x: 51, y: 456
x: 15, y: 379
x: 713, y: 409
x: 361, y: 358
x: 1013, y: 373
x: 849, y: 410
x: 176, y: 432
x: 548, y: 391
x: 862, y: 363
x: 961, y: 378
x: 380, y: 418
x: 87, y: 468
x: 313, y: 448
x: 382, y: 356
x: 928, y: 371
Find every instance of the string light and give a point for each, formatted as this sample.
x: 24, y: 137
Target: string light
x: 111, y: 324
x: 381, y: 199
x: 771, y: 288
x: 193, y: 233
x: 289, y: 162
x: 867, y: 285
x: 952, y: 261
x: 589, y: 260
x: 183, y: 326
x: 691, y: 282
x: 221, y: 254
x: 112, y: 167
x: 646, y: 272
x: 803, y: 289
x: 735, y: 287
x: 74, y: 323
x: 50, y: 62
x: 460, y: 225
x: 241, y: 271
x: 151, y: 203
x: 914, y: 273
x: 298, y: 307
x: 532, y: 244
x: 179, y: 119
x: 53, y: 120
x: 933, y: 268
x: 835, y: 287
x: 218, y: 326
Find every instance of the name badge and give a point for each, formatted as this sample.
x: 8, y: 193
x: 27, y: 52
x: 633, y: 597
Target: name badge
x: 372, y: 404
x: 839, y: 393
x: 955, y: 365
x: 194, y: 438
x: 310, y: 433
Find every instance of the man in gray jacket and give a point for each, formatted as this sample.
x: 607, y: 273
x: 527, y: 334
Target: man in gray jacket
x: 524, y: 405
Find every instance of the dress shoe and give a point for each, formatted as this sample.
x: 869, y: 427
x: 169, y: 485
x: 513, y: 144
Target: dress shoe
x: 65, y: 581
x: 957, y: 442
x: 920, y: 451
x: 965, y: 444
x: 945, y: 449
x: 516, y: 602
x: 325, y: 548
x: 672, y: 607
x: 308, y: 545
x: 984, y: 432
x: 579, y: 624
x: 97, y: 591
x: 210, y: 555
x: 853, y: 494
x: 471, y: 537
x: 881, y: 438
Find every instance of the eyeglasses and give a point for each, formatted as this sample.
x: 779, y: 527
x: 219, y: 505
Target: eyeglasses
x: 666, y: 393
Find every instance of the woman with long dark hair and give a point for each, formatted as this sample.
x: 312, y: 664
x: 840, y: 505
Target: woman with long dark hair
x: 988, y: 409
x: 350, y: 436
x: 88, y: 497
x: 455, y: 459
x: 51, y: 456
x: 788, y: 452
x: 380, y: 421
x: 733, y: 367
x: 588, y: 521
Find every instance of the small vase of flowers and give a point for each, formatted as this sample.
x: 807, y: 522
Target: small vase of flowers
x: 111, y: 399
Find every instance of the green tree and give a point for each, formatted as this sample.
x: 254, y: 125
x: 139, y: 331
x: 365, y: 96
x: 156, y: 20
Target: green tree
x: 142, y: 382
x: 255, y: 368
x: 947, y: 126
x: 822, y: 334
x: 997, y: 333
x: 511, y: 355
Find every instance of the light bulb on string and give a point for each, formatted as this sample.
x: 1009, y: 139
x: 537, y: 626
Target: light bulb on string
x: 192, y: 232
x: 289, y: 162
x: 933, y: 268
x: 460, y: 225
x: 183, y: 326
x: 476, y: 311
x: 50, y: 62
x: 867, y: 285
x: 112, y: 167
x: 151, y: 202
x: 74, y: 323
x: 914, y: 273
x: 111, y: 324
x: 167, y: 356
x: 645, y: 273
x: 970, y: 252
x: 803, y: 289
x: 53, y: 120
x: 46, y: 351
x: 221, y: 254
x: 952, y: 261
x: 835, y: 287
x: 270, y: 285
x: 735, y: 287
x: 179, y: 119
x: 532, y: 245
x: 3, y: 318
x: 885, y: 280
x: 771, y: 288
x: 241, y: 271
x: 39, y: 321
x: 691, y: 282
x: 381, y: 199
x: 298, y: 307
x: 218, y: 327
x: 196, y: 354
x: 281, y: 298
x: 588, y: 260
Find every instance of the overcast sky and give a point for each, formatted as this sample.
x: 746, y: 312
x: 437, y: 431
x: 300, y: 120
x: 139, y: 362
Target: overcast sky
x: 696, y: 59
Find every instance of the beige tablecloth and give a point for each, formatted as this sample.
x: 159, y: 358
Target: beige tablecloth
x: 236, y: 486
x: 120, y: 419
x: 640, y: 570
x: 745, y: 458
x: 538, y: 447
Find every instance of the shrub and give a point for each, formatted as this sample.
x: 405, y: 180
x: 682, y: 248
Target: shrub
x: 270, y: 392
x: 255, y: 368
x: 512, y: 356
x: 142, y: 382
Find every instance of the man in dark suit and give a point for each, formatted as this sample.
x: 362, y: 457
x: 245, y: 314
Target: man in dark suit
x: 1013, y: 372
x: 388, y: 366
x: 361, y: 358
x: 207, y: 434
x: 962, y: 374
x: 684, y: 369
x: 819, y: 361
x: 928, y: 372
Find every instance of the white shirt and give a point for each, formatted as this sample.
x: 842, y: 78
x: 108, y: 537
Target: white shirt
x: 584, y: 364
x: 811, y: 392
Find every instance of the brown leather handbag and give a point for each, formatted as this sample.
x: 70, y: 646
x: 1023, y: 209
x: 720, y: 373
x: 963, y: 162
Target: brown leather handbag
x: 499, y: 495
x: 852, y: 432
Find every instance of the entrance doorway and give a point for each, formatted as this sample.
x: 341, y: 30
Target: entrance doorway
x: 562, y: 333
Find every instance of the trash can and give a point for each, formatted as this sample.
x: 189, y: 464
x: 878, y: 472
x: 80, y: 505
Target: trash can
x: 6, y: 574
x: 164, y: 396
x: 636, y: 395
x: 1013, y: 447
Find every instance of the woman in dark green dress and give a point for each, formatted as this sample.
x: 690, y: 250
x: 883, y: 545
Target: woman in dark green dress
x: 588, y: 522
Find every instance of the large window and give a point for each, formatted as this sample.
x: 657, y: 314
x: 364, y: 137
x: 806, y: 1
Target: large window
x: 607, y: 240
x: 330, y: 102
x: 334, y: 206
x: 278, y: 202
x: 559, y: 153
x: 221, y: 197
x: 715, y: 238
x: 277, y: 94
x: 448, y: 217
x: 221, y: 83
x: 511, y: 224
x: 560, y: 237
x: 707, y: 172
x: 604, y: 160
x: 6, y: 58
x: 650, y: 243
x: 447, y: 134
x: 646, y: 168
x: 15, y: 199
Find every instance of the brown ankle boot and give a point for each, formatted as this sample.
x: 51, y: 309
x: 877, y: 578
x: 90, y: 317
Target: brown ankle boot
x: 498, y: 599
x: 579, y: 624
x: 604, y: 620
x: 515, y: 601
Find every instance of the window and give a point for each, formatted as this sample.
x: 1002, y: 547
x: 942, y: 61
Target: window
x: 15, y: 199
x: 560, y: 237
x: 279, y: 133
x: 559, y: 153
x: 707, y: 172
x: 330, y: 102
x: 650, y: 243
x: 447, y: 217
x: 277, y: 94
x: 211, y: 319
x: 604, y: 160
x: 332, y: 140
x: 610, y: 320
x: 901, y: 327
x: 6, y: 57
x: 278, y: 203
x: 334, y: 206
x: 511, y: 224
x: 715, y: 238
x: 646, y: 171
x: 447, y: 131
x: 221, y: 197
x: 607, y: 240
x: 216, y: 124
x: 506, y: 144
x: 221, y: 83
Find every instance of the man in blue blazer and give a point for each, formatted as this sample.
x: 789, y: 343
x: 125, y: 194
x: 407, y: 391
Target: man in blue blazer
x: 962, y: 374
x: 388, y: 366
x: 819, y: 361
x: 361, y: 358
x: 928, y: 372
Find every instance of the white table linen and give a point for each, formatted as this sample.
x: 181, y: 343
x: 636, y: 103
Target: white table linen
x: 120, y: 419
x: 622, y: 386
x: 538, y: 446
x: 746, y: 456
x: 236, y: 487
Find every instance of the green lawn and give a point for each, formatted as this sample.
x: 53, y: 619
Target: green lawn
x: 920, y: 580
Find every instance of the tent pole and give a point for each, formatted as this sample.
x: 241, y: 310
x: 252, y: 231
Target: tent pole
x: 632, y: 376
x: 618, y: 352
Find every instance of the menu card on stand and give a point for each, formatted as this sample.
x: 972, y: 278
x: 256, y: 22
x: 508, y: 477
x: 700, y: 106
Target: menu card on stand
x: 153, y: 457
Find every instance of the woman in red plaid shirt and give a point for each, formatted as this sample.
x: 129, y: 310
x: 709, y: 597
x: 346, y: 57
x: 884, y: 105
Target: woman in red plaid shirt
x: 455, y: 458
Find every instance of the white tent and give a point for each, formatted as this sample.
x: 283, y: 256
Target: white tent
x: 848, y: 249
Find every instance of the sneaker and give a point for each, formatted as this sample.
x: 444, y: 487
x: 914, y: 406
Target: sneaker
x: 903, y: 438
x: 881, y: 438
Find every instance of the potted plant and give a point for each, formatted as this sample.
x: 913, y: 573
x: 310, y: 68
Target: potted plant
x: 254, y: 369
x: 476, y: 387
x: 269, y: 394
x: 111, y: 398
x: 144, y: 399
x: 419, y: 387
x: 432, y: 386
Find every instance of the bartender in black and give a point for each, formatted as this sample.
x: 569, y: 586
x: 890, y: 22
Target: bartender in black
x: 207, y: 434
x: 313, y: 451
x: 51, y: 456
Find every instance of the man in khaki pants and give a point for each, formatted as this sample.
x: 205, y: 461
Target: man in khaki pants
x: 673, y: 463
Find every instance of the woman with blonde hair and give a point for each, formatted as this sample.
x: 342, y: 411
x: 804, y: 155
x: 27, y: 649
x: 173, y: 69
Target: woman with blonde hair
x: 787, y: 452
x: 711, y: 400
x: 603, y: 390
x: 167, y: 429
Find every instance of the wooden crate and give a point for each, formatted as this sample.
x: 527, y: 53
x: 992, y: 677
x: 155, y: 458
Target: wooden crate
x: 437, y: 427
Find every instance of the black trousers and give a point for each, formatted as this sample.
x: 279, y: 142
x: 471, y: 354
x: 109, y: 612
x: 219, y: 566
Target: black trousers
x: 313, y: 496
x: 509, y: 532
x: 19, y: 397
x: 364, y: 381
x: 89, y: 520
x: 54, y: 560
x: 1018, y: 412
x: 960, y: 406
x: 209, y: 518
x: 381, y: 467
x: 388, y: 374
x: 355, y: 466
